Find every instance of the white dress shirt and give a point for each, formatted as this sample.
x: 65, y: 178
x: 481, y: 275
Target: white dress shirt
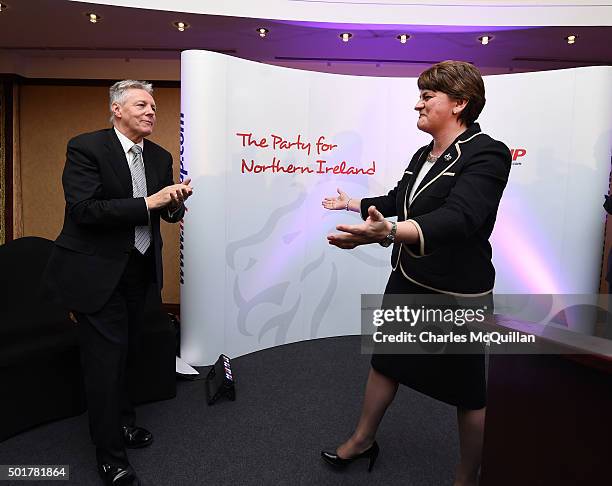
x: 420, y: 176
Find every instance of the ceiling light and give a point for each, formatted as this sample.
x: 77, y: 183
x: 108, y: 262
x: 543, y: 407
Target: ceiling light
x: 93, y: 18
x: 485, y: 39
x: 262, y: 31
x: 345, y: 36
x: 3, y: 7
x: 181, y: 26
x: 571, y: 39
x: 403, y: 38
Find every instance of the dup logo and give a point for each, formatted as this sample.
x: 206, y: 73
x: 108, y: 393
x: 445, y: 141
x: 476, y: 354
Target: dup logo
x: 517, y: 154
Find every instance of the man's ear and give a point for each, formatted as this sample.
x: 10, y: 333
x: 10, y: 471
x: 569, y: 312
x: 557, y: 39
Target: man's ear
x: 116, y: 108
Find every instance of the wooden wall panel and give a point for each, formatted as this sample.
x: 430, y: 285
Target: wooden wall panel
x: 4, y: 178
x: 49, y: 117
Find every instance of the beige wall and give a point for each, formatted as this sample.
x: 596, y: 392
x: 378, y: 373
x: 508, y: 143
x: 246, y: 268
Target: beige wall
x: 49, y: 117
x: 91, y: 66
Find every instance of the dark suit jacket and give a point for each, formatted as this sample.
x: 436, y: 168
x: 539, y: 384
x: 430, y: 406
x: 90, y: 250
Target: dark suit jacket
x: 93, y: 247
x: 454, y: 209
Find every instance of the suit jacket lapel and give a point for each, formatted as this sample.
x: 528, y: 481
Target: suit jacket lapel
x: 118, y: 162
x: 445, y: 161
x: 439, y: 166
x: 416, y: 167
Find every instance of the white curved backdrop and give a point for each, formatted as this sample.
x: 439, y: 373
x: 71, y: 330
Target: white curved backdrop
x: 256, y: 268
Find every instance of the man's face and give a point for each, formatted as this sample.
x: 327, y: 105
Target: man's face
x: 135, y: 117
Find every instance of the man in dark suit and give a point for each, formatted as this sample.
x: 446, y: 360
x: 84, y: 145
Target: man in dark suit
x: 117, y: 185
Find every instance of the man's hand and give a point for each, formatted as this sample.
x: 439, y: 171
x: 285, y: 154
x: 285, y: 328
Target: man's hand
x: 372, y: 230
x: 172, y: 196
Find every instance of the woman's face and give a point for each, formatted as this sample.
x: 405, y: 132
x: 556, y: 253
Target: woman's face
x: 436, y: 111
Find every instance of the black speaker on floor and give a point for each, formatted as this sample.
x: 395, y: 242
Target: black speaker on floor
x: 220, y: 381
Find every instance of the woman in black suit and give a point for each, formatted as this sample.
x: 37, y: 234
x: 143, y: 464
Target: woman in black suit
x: 446, y: 204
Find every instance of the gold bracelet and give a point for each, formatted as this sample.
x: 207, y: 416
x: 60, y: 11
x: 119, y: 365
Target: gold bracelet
x: 347, y: 203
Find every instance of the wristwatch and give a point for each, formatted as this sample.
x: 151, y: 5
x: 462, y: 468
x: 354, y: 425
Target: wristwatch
x: 390, y: 238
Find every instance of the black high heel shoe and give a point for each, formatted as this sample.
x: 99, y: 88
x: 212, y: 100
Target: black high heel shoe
x: 336, y: 461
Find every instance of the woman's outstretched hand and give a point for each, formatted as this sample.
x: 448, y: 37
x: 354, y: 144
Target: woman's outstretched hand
x: 372, y: 230
x: 336, y: 202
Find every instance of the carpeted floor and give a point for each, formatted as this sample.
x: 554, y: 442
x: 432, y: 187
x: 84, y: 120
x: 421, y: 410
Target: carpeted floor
x: 292, y: 401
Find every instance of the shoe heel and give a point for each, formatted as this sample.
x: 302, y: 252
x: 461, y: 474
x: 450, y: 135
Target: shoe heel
x: 373, y: 456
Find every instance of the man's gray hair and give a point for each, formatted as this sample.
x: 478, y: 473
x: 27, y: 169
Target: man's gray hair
x: 118, y: 92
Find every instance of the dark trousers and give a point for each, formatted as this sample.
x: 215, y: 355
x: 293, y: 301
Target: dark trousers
x: 109, y: 339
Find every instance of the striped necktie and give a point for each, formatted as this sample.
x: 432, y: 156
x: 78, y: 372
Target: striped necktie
x: 142, y: 234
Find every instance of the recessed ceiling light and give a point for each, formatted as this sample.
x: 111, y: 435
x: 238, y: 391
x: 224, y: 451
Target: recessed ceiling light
x: 403, y: 38
x: 571, y: 39
x: 485, y: 39
x: 180, y: 26
x: 262, y: 31
x: 3, y: 7
x: 93, y: 18
x: 345, y: 36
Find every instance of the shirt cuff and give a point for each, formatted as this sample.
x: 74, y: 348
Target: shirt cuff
x: 148, y: 212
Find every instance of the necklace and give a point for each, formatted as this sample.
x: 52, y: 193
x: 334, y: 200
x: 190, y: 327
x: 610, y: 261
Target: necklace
x: 431, y: 158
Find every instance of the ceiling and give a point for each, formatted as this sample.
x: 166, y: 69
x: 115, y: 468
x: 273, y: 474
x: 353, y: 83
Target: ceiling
x: 36, y: 29
x: 538, y: 13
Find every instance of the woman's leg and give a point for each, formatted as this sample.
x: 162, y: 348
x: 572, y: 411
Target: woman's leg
x: 471, y: 433
x: 379, y: 393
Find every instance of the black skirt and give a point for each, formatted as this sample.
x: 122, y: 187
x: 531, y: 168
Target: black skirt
x: 456, y: 379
